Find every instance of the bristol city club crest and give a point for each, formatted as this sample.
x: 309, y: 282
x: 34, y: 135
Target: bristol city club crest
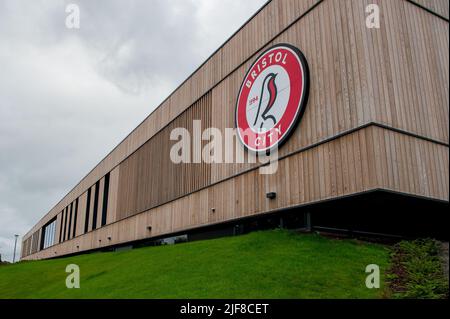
x: 272, y: 98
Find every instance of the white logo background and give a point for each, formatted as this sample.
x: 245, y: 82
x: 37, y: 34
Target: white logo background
x: 282, y: 83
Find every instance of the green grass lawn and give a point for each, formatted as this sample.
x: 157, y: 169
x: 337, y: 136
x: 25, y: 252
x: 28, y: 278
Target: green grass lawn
x: 265, y: 264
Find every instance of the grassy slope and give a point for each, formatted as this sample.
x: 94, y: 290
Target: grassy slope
x: 269, y: 264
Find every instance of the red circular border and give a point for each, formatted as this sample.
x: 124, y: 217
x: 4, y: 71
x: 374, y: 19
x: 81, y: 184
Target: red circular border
x: 297, y: 69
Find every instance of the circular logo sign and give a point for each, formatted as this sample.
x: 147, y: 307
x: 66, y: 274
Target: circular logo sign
x: 272, y: 97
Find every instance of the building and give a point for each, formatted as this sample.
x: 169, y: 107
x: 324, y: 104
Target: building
x: 370, y: 151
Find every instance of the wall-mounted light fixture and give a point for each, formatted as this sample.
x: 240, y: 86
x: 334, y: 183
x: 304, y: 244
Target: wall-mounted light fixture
x: 149, y: 228
x: 271, y: 195
x: 109, y: 238
x: 213, y: 210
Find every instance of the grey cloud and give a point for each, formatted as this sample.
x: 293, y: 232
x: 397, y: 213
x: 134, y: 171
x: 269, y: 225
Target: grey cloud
x: 154, y: 48
x: 67, y: 97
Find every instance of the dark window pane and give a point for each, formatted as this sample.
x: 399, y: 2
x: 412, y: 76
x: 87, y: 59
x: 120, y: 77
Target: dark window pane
x: 88, y: 207
x: 94, y: 215
x: 75, y: 218
x: 105, y: 200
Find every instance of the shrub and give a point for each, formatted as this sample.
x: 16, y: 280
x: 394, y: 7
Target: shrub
x: 416, y: 270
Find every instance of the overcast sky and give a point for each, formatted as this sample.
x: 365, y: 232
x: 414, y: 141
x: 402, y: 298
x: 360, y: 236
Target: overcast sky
x: 68, y: 96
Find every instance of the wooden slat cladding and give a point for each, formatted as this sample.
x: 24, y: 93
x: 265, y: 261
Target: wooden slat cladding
x: 196, y: 86
x: 82, y: 202
x: 369, y: 158
x: 34, y: 242
x: 149, y: 177
x: 358, y: 75
x: 410, y: 165
x: 413, y: 66
x: 26, y: 247
x: 397, y: 76
x: 440, y: 7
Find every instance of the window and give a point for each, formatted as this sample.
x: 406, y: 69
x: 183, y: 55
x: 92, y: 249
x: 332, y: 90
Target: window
x: 65, y: 223
x: 61, y: 226
x: 75, y: 218
x: 49, y: 234
x: 105, y: 200
x: 70, y: 221
x: 88, y: 207
x: 94, y: 215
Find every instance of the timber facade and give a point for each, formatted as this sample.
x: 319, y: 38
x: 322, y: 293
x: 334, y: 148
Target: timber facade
x: 377, y: 118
